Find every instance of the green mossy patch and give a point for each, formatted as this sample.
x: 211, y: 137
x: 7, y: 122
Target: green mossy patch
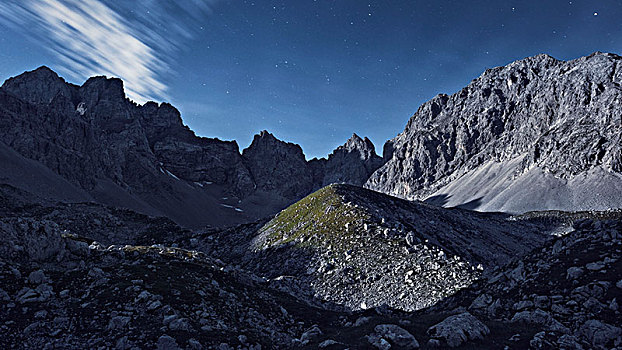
x: 323, y: 217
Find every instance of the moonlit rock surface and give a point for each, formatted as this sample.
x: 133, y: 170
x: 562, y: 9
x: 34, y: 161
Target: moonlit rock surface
x: 536, y: 134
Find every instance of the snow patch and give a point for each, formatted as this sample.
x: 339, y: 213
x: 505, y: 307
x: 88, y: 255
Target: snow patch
x: 81, y: 109
x: 232, y: 207
x: 171, y: 174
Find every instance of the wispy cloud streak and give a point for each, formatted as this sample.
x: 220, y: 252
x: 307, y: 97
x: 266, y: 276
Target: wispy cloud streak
x: 134, y: 40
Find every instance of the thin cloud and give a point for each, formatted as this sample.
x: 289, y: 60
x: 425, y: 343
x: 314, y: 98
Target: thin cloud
x: 134, y: 40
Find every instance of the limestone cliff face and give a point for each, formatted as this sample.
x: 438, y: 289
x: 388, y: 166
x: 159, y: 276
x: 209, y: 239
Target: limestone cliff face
x: 559, y: 119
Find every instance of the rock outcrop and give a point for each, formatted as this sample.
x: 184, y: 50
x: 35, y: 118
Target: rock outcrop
x: 536, y: 134
x: 457, y: 330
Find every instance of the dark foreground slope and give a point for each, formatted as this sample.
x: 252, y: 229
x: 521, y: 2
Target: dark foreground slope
x: 60, y: 288
x: 140, y: 296
x: 345, y: 246
x: 536, y: 134
x: 76, y: 276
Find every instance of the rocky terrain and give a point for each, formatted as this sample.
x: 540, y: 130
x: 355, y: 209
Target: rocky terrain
x: 564, y: 294
x: 536, y: 134
x: 64, y: 284
x: 78, y: 293
x: 61, y: 288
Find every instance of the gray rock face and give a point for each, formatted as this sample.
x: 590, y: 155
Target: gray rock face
x: 513, y: 131
x: 278, y: 167
x: 459, y: 329
x: 352, y: 163
x: 397, y: 335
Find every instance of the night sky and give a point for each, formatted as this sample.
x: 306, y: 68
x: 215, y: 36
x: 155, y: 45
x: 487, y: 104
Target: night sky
x: 311, y: 72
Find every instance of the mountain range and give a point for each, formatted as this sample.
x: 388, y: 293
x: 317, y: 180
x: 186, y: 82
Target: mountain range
x: 538, y: 134
x: 97, y: 145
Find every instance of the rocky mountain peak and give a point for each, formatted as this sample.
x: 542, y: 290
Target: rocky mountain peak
x: 538, y: 120
x: 266, y: 134
x: 101, y: 88
x: 38, y: 86
x: 40, y: 73
x: 161, y: 116
x: 278, y: 166
x: 268, y: 143
x: 354, y: 138
x: 356, y: 143
x: 351, y: 163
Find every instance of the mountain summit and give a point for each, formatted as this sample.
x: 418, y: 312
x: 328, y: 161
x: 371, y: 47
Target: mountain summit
x: 536, y: 134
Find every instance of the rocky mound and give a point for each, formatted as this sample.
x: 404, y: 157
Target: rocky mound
x: 345, y: 246
x: 536, y: 134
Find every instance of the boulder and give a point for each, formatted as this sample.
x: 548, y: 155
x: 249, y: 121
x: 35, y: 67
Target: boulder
x: 37, y: 277
x: 397, y: 335
x: 166, y: 342
x: 599, y: 334
x: 459, y: 329
x: 540, y: 318
x: 574, y: 272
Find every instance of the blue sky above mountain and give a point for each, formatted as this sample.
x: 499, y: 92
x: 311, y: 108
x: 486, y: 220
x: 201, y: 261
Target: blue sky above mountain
x: 312, y: 72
